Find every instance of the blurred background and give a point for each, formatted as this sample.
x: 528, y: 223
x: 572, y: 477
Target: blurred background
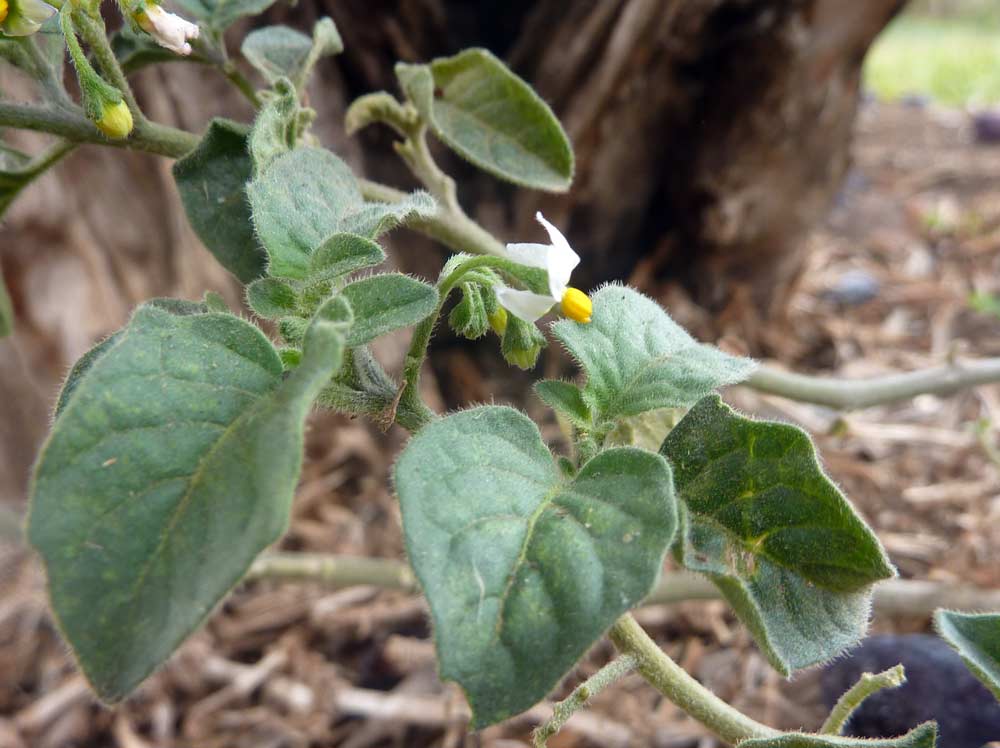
x: 811, y: 182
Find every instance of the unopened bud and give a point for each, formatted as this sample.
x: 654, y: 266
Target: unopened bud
x: 522, y: 342
x: 468, y: 318
x: 116, y: 122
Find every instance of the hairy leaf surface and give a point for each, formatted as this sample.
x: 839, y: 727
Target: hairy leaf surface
x: 774, y: 533
x: 977, y: 639
x: 524, y: 568
x: 170, y: 467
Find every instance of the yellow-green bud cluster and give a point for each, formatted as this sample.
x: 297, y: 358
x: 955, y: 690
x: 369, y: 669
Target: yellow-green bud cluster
x: 522, y: 342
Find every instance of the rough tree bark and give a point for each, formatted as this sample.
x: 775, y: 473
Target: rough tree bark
x: 710, y: 135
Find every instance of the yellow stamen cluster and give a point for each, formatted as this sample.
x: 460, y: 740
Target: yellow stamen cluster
x: 577, y: 305
x: 4, y: 8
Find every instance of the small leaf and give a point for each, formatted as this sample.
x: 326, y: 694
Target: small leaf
x: 638, y: 359
x: 212, y: 184
x: 567, y: 400
x: 977, y: 639
x: 306, y: 196
x: 171, y: 466
x: 922, y: 736
x: 525, y: 569
x: 276, y: 130
x: 218, y: 15
x: 280, y: 52
x: 271, y: 298
x: 341, y: 254
x: 387, y: 302
x: 491, y: 117
x: 773, y: 532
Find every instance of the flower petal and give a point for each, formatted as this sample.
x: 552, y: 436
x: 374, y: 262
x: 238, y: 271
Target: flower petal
x: 524, y: 304
x: 532, y: 255
x: 561, y: 259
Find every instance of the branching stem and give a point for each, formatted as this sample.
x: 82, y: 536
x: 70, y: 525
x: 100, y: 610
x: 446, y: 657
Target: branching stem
x: 670, y: 679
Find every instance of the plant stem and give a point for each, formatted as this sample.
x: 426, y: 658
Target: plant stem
x: 613, y: 671
x: 865, y: 393
x: 93, y: 32
x: 673, y: 681
x: 851, y: 700
x: 242, y: 83
x: 70, y: 123
x: 334, y: 571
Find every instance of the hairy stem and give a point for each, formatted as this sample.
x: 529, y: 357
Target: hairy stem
x: 334, y: 571
x: 851, y: 700
x: 241, y: 82
x: 670, y: 679
x: 613, y: 671
x: 72, y: 124
x: 865, y: 393
x: 93, y: 32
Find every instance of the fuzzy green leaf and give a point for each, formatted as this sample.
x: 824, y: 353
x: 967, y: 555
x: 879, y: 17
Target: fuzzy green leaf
x: 170, y: 467
x: 305, y: 196
x: 976, y: 636
x: 386, y: 302
x: 567, y: 400
x: 272, y: 298
x: 922, y: 736
x: 638, y: 359
x: 341, y: 254
x: 280, y: 52
x: 774, y: 533
x: 491, y: 117
x: 212, y: 181
x: 277, y: 127
x: 525, y: 568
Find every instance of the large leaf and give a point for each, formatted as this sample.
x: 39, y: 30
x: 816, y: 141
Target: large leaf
x: 774, y: 533
x: 523, y: 568
x: 218, y: 15
x: 638, y: 359
x: 280, y: 52
x: 212, y: 183
x: 170, y: 467
x: 977, y: 639
x: 491, y: 117
x: 387, y: 302
x: 922, y: 736
x: 305, y: 196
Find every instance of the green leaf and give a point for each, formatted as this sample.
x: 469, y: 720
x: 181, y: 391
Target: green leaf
x: 341, y: 254
x: 212, y: 182
x: 525, y: 569
x: 976, y: 636
x: 276, y: 129
x: 272, y: 298
x: 170, y: 467
x: 80, y: 369
x: 773, y: 532
x: 567, y: 400
x: 638, y: 359
x: 6, y: 310
x: 306, y: 196
x: 280, y: 52
x: 218, y: 15
x: 491, y: 117
x: 386, y: 302
x: 922, y: 736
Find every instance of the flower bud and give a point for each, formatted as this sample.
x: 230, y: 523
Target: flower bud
x: 468, y: 317
x: 23, y: 17
x: 116, y: 121
x: 104, y: 104
x: 522, y: 342
x: 169, y: 30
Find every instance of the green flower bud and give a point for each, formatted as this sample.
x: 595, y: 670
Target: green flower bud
x: 293, y: 329
x: 522, y: 342
x: 468, y: 317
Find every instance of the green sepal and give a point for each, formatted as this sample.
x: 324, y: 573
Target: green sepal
x: 522, y: 342
x: 468, y: 316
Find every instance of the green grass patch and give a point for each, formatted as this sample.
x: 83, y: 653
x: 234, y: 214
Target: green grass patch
x: 954, y: 61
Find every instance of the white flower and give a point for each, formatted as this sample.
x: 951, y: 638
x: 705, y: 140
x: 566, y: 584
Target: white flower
x: 169, y: 30
x: 558, y: 260
x: 23, y: 17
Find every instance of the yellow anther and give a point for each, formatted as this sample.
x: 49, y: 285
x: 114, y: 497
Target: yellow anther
x: 577, y: 305
x: 4, y: 7
x: 116, y: 121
